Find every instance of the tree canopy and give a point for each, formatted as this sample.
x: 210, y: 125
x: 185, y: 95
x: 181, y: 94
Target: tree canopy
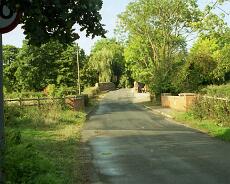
x: 45, y: 20
x: 154, y: 49
x: 107, y: 59
x: 157, y: 36
x: 34, y: 68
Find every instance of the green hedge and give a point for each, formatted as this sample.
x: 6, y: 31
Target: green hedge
x: 218, y: 91
x: 212, y: 108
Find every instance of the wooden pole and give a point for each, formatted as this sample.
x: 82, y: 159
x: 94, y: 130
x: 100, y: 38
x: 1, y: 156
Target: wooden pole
x: 39, y: 103
x: 78, y: 71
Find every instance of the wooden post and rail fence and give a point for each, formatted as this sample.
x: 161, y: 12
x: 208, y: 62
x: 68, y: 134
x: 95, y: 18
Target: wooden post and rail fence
x: 75, y: 102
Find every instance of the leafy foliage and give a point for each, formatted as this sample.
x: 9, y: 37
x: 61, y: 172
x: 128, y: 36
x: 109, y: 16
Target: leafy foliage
x: 157, y: 33
x: 102, y: 61
x: 52, y: 63
x: 88, y: 75
x: 67, y: 66
x: 222, y: 91
x: 47, y: 20
x: 212, y: 108
x: 108, y: 60
x: 28, y: 166
x: 222, y: 71
x: 207, y: 63
x: 214, y: 104
x: 9, y: 54
x: 198, y: 70
x: 40, y: 64
x: 9, y: 59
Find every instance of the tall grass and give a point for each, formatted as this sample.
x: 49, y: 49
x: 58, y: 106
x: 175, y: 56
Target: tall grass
x: 42, y: 145
x: 91, y: 91
x: 211, y: 127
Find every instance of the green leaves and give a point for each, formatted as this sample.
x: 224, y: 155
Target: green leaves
x: 34, y: 68
x: 107, y: 59
x: 9, y: 59
x: 40, y: 64
x: 67, y: 65
x: 157, y: 35
x: 45, y: 20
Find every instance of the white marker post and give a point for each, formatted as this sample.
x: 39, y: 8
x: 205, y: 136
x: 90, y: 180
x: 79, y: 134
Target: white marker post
x: 8, y: 21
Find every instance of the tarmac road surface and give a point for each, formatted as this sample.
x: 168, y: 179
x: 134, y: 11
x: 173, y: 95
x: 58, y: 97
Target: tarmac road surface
x: 131, y: 145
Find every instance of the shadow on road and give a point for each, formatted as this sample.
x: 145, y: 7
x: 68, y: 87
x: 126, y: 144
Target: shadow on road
x: 129, y: 144
x: 158, y: 157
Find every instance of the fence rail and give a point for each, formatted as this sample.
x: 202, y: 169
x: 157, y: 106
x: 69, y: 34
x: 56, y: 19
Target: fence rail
x: 216, y: 98
x: 38, y: 101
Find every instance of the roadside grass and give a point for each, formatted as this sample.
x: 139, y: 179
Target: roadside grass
x: 43, y: 145
x: 208, y: 126
x: 91, y: 91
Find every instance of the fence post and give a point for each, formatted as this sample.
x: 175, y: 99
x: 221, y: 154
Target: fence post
x: 63, y: 100
x: 39, y: 104
x: 53, y: 99
x: 20, y: 102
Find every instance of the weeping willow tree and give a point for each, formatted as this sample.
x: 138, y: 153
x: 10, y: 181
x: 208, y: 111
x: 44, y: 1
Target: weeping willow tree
x: 102, y: 61
x: 107, y: 58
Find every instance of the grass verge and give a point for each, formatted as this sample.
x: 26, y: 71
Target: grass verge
x: 43, y: 145
x: 208, y: 126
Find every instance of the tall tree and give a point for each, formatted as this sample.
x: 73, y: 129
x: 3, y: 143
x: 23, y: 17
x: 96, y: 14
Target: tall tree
x: 52, y: 63
x: 208, y: 60
x: 157, y: 33
x: 40, y: 65
x: 89, y: 75
x: 198, y: 70
x: 102, y: 62
x: 67, y: 66
x: 107, y: 58
x: 10, y: 54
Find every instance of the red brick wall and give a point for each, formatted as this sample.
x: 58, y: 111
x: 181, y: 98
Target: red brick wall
x: 77, y: 103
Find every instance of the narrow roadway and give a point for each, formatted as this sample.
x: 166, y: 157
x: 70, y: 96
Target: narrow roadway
x: 130, y: 145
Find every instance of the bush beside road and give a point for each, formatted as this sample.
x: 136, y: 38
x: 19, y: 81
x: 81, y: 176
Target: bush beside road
x: 211, y: 127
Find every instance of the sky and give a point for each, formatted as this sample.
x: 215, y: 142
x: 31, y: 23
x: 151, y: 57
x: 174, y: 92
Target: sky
x: 109, y: 13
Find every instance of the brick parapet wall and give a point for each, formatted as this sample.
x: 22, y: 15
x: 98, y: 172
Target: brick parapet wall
x: 76, y: 103
x: 107, y: 86
x: 179, y: 103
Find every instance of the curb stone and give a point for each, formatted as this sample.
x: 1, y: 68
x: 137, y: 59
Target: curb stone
x: 159, y: 112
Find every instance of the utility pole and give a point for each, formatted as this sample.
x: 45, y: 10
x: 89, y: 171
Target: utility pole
x: 2, y: 140
x: 78, y: 71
